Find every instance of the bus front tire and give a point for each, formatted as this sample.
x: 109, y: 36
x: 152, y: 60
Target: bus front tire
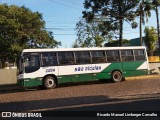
x: 49, y: 82
x: 116, y: 76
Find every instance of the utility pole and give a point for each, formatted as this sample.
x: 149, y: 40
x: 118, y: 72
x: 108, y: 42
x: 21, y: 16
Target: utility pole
x: 158, y: 31
x: 140, y: 26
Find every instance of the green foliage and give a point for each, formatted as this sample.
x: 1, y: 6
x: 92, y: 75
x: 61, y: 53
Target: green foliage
x: 156, y: 4
x: 115, y: 43
x: 150, y: 39
x: 21, y: 28
x: 144, y: 9
x: 89, y: 34
x: 113, y: 14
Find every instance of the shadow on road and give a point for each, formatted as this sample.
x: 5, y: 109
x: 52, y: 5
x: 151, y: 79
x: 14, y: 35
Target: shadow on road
x: 5, y: 89
x: 87, y: 103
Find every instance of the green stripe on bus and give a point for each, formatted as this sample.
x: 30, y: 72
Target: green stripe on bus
x: 30, y: 82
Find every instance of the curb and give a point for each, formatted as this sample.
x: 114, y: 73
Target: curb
x: 144, y: 77
x: 10, y: 87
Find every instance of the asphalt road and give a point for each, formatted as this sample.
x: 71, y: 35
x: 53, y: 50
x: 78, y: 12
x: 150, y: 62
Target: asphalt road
x: 133, y: 95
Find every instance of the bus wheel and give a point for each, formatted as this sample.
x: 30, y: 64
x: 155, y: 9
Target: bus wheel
x: 49, y: 82
x: 116, y: 76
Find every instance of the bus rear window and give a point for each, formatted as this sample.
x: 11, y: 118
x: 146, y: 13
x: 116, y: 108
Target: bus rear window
x: 139, y: 54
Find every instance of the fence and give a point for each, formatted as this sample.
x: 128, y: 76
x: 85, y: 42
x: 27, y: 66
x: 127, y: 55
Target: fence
x: 153, y: 59
x: 8, y: 76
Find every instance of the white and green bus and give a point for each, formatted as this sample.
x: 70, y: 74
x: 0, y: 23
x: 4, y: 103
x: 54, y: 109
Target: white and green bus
x: 50, y: 67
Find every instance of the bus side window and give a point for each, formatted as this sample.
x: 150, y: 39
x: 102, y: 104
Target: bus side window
x: 70, y: 58
x: 49, y: 59
x: 113, y: 55
x: 127, y: 55
x: 44, y: 62
x: 83, y: 57
x: 53, y: 59
x: 44, y: 59
x: 98, y: 56
x: 66, y: 58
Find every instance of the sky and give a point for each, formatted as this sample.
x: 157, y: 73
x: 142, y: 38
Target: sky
x: 61, y: 17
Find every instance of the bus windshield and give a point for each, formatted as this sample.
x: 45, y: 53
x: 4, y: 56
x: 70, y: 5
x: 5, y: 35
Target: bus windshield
x: 31, y: 62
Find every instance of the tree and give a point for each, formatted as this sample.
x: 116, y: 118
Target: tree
x: 115, y: 12
x: 156, y: 4
x: 143, y: 10
x: 150, y: 39
x: 21, y: 28
x: 115, y: 43
x: 89, y: 34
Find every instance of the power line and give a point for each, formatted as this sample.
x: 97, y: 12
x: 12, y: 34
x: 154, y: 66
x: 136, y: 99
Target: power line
x: 64, y: 34
x: 131, y: 33
x: 64, y: 17
x: 65, y: 5
x: 61, y: 21
x: 60, y: 28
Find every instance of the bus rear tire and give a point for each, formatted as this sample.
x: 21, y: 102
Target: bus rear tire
x: 49, y: 82
x: 116, y: 76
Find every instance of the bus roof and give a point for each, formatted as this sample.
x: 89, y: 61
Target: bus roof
x: 82, y: 49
